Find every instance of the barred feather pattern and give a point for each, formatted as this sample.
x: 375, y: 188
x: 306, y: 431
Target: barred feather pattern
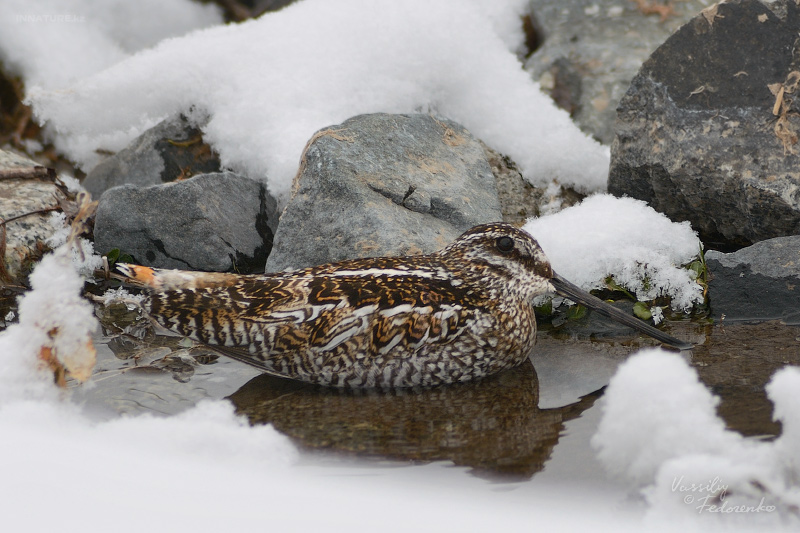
x: 455, y: 315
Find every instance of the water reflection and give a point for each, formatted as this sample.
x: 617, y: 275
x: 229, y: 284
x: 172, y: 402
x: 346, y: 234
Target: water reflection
x: 737, y: 361
x: 493, y: 425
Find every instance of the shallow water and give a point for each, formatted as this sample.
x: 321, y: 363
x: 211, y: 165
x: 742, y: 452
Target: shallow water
x: 509, y: 427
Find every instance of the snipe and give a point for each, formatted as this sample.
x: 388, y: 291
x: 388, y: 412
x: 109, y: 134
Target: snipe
x: 454, y: 315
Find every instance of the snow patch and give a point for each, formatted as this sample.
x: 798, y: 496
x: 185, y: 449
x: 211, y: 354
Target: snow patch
x: 53, y: 43
x: 53, y: 321
x: 660, y: 432
x: 121, y: 295
x: 625, y: 238
x: 269, y: 84
x: 84, y: 259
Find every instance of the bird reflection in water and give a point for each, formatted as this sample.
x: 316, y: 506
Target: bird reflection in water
x: 492, y: 425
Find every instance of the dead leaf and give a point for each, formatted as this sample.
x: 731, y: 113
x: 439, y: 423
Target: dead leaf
x: 785, y: 133
x: 50, y: 361
x: 710, y: 14
x: 653, y: 7
x: 783, y: 128
x: 80, y: 224
x: 776, y: 108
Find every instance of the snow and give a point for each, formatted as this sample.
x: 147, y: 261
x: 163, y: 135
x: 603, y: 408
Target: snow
x: 53, y: 317
x: 100, y: 73
x: 84, y: 258
x: 140, y: 474
x: 53, y: 455
x: 267, y: 85
x: 131, y: 301
x: 660, y: 432
x: 207, y: 469
x: 70, y: 182
x: 625, y: 238
x: 657, y: 314
x: 53, y: 43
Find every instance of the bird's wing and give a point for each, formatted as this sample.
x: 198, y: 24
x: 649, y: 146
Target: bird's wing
x: 315, y: 310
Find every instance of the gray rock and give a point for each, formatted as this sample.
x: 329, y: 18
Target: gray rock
x: 519, y: 200
x: 760, y: 282
x: 696, y: 134
x: 213, y: 222
x: 24, y: 237
x: 384, y: 185
x: 593, y: 48
x: 172, y: 150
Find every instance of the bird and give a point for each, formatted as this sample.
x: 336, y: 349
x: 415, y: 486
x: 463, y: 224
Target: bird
x: 454, y: 315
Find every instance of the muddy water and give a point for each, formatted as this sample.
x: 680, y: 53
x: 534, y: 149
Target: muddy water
x: 737, y: 361
x: 507, y: 426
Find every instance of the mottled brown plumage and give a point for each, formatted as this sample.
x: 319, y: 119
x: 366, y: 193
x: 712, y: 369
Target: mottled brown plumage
x: 454, y: 315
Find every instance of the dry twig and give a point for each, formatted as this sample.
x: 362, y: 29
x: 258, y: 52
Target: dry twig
x: 783, y: 128
x: 28, y: 173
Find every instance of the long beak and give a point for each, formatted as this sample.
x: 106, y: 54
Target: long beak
x: 578, y: 295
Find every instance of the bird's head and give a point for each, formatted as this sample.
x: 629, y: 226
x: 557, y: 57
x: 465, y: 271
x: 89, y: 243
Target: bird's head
x: 503, y: 255
x: 508, y: 261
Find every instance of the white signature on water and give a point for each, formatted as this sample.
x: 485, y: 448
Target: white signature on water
x: 709, y: 497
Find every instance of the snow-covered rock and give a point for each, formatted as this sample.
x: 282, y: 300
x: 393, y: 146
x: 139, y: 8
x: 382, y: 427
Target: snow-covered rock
x: 267, y: 85
x: 605, y: 236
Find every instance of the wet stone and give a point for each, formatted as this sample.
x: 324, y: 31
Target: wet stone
x: 760, y: 282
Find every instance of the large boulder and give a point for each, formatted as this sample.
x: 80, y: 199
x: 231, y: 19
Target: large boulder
x: 706, y: 131
x: 384, y: 184
x: 214, y: 222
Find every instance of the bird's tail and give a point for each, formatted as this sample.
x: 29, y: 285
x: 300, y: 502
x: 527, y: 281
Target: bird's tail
x: 140, y: 276
x: 160, y: 279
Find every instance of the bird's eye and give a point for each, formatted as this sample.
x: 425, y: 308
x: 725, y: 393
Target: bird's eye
x: 505, y: 244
